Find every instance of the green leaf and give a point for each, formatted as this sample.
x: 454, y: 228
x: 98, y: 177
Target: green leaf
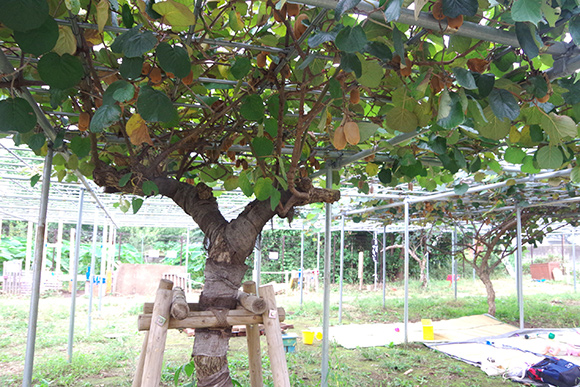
x: 80, y: 146
x: 39, y: 40
x: 134, y: 43
x: 343, y: 6
x: 263, y: 188
x: 527, y: 11
x: 450, y: 112
x: 104, y: 117
x: 262, y: 146
x: 366, y: 130
x: 493, y: 127
x: 150, y: 188
x: 385, y: 176
x: 173, y: 59
x: 393, y: 10
x: 538, y: 86
x: 34, y: 180
x: 73, y: 162
x: 454, y: 8
x: 398, y: 42
x: 464, y: 78
x: 380, y: 50
x: 131, y: 67
x: 549, y: 157
x: 575, y: 174
x: 231, y: 183
x: 16, y: 115
x: 60, y: 72
x: 155, y: 106
x: 351, y: 63
x: 559, y: 127
x: 136, y: 204
x: 118, y: 91
x: 36, y: 141
x: 252, y: 108
x: 438, y: 145
x: 514, y: 155
x: 23, y: 15
x: 322, y: 37
x: 351, y: 39
x: 460, y: 189
x: 504, y: 104
x: 528, y: 165
x: 526, y: 39
x: 275, y: 199
x: 273, y: 104
x: 401, y: 119
x: 245, y: 185
x: 372, y: 73
x: 241, y: 67
x: 125, y: 179
x: 127, y: 16
x: 574, y: 29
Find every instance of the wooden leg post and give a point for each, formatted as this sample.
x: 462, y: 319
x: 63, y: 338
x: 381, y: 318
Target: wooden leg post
x: 137, y: 380
x: 274, y: 338
x: 253, y: 338
x: 157, y: 335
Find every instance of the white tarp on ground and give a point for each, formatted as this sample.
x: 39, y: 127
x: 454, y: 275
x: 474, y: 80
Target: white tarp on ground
x: 511, y: 354
x: 376, y: 335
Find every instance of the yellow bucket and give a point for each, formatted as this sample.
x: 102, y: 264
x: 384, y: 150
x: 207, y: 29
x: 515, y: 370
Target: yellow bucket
x: 318, y: 335
x: 308, y: 337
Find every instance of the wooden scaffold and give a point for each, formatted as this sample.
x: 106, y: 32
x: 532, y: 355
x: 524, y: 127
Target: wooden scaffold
x: 171, y: 311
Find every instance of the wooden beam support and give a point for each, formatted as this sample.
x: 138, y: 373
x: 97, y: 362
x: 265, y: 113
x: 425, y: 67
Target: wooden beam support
x: 206, y: 319
x: 157, y: 335
x: 253, y: 339
x: 274, y: 338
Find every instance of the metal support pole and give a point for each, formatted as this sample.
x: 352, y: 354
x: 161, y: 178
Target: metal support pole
x: 453, y: 265
x: 187, y: 253
x: 75, y: 271
x: 574, y: 257
x: 406, y: 313
x: 341, y: 269
x: 375, y: 255
x: 92, y: 269
x: 519, y: 276
x: 326, y: 304
x: 384, y: 265
x: 302, y: 267
x: 318, y: 253
x: 258, y: 262
x: 37, y: 270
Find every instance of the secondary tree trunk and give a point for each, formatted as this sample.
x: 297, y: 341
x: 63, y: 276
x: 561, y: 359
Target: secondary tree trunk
x: 485, y: 278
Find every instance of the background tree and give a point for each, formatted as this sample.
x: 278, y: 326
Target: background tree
x: 177, y: 99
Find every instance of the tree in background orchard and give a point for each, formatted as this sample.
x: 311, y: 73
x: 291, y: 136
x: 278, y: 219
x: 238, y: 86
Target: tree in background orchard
x: 174, y: 98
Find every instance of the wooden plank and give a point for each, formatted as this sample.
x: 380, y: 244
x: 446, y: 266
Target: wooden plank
x: 148, y: 307
x: 253, y: 339
x: 274, y: 338
x: 138, y: 379
x: 157, y: 335
x: 206, y: 319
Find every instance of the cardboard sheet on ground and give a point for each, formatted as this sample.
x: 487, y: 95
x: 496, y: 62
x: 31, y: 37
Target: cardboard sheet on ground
x: 376, y: 335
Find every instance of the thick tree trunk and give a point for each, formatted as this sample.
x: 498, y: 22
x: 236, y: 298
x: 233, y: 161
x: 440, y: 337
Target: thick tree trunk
x: 485, y: 278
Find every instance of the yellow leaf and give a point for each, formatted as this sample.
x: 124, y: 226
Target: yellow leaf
x: 66, y: 43
x: 137, y: 130
x: 515, y: 135
x: 174, y: 13
x: 102, y: 14
x: 372, y: 169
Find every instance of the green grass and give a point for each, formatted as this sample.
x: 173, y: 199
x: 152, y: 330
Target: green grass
x: 107, y: 356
